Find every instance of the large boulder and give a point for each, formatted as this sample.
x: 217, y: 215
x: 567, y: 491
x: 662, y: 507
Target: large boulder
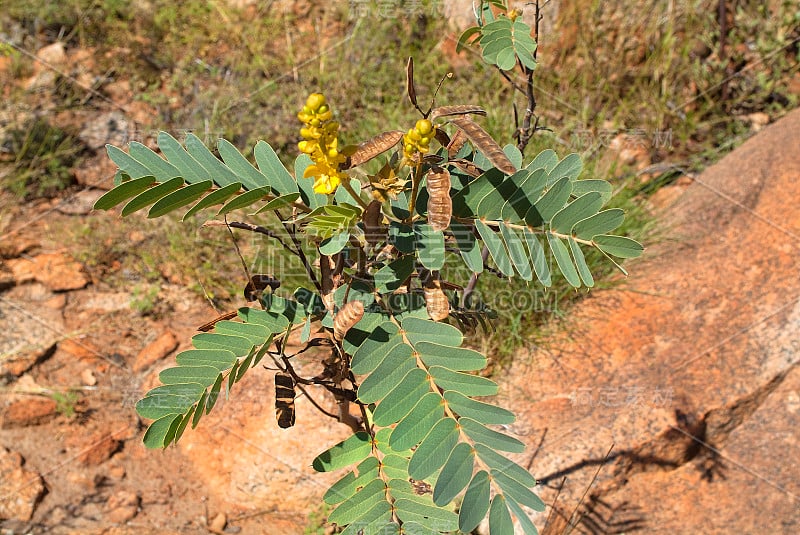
x: 688, y: 369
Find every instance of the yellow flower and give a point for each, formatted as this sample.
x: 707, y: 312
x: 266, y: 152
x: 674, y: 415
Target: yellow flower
x: 321, y: 142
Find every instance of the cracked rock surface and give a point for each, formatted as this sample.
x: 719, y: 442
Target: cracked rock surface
x: 688, y: 368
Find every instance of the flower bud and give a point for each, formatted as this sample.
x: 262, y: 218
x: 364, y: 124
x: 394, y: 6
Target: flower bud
x: 424, y: 127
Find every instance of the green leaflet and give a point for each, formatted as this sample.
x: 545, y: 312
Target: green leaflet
x: 581, y: 187
x: 500, y: 522
x: 379, y: 343
x: 504, y: 42
x: 517, y: 491
x: 412, y: 511
x: 502, y: 464
x: 467, y: 246
x: 453, y: 358
x: 216, y: 197
x: 430, y: 247
x: 271, y: 167
x: 547, y: 160
x: 148, y: 197
x: 402, y: 398
x: 402, y: 237
x: 245, y: 173
x: 550, y: 203
x: 220, y: 172
x: 158, y: 166
x: 255, y: 333
x: 584, y: 206
x: 618, y: 246
x: 413, y: 428
x: 580, y: 261
x: 477, y: 410
x: 356, y: 506
x: 465, y: 202
x: 561, y: 254
x: 390, y: 277
x: 475, y: 503
x: 191, y: 170
x: 156, y: 434
x: 496, y: 248
x: 538, y: 258
x: 455, y: 474
x: 489, y: 437
x: 376, y: 521
x: 395, y: 365
x: 127, y: 164
x: 491, y: 205
x: 244, y: 200
x: 334, y: 244
x: 465, y: 383
x: 350, y: 451
x: 530, y: 187
x: 434, y: 449
x: 350, y: 483
x: 527, y: 526
x: 124, y: 191
x: 570, y: 167
x: 179, y: 198
x: 516, y: 251
x: 278, y: 202
x: 600, y: 223
x: 239, y: 345
x: 160, y: 405
x: 274, y: 323
x: 204, y: 375
x: 419, y: 330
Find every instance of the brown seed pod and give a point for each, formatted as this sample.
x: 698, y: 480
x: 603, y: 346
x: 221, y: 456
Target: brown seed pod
x: 410, y: 89
x: 350, y: 314
x: 440, y: 206
x: 373, y: 230
x: 456, y: 142
x: 484, y: 142
x: 436, y: 302
x: 462, y: 109
x: 468, y: 167
x: 374, y: 147
x: 284, y: 399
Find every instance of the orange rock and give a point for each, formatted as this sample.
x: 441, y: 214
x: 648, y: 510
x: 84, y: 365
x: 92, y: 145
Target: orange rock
x: 57, y: 271
x: 97, y: 449
x: 155, y: 351
x: 20, y: 488
x: 79, y: 348
x: 29, y: 411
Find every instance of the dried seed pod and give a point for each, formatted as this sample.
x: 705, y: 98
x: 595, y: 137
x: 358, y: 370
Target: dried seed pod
x: 374, y: 147
x: 440, y: 206
x: 485, y: 143
x: 456, y: 142
x: 461, y: 109
x: 373, y: 230
x: 284, y: 399
x: 350, y: 314
x: 436, y: 302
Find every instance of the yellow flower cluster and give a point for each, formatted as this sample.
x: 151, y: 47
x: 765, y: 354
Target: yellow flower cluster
x: 321, y: 142
x: 417, y: 141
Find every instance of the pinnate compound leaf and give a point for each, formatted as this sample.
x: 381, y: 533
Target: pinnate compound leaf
x: 354, y: 449
x: 434, y: 449
x: 489, y: 437
x: 500, y: 522
x: 413, y: 428
x: 455, y: 474
x: 402, y: 398
x: 475, y: 503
